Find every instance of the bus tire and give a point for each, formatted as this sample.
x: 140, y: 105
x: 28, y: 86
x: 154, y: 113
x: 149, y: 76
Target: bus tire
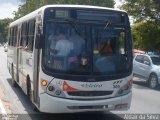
x: 29, y: 93
x: 35, y: 108
x: 13, y: 82
x: 153, y: 81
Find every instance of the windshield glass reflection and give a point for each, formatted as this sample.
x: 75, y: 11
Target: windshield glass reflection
x: 109, y: 49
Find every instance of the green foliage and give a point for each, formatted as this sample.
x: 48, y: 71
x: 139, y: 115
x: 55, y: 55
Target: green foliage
x: 4, y: 29
x: 146, y: 35
x: 146, y: 30
x: 31, y: 5
x: 143, y: 9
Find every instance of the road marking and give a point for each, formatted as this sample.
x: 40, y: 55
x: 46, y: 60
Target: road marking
x: 2, y: 110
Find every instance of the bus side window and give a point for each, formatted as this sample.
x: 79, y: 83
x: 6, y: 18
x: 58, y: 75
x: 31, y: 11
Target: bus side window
x: 14, y: 36
x: 31, y: 31
x: 11, y: 40
x: 24, y: 31
x: 10, y: 36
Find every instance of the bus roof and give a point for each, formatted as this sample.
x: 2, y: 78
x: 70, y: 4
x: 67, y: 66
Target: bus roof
x: 82, y: 6
x: 35, y: 13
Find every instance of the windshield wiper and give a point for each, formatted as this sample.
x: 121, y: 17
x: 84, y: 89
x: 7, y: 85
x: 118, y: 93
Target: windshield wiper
x: 106, y: 25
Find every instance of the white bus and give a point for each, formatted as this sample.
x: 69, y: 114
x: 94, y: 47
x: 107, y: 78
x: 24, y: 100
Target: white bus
x: 72, y: 58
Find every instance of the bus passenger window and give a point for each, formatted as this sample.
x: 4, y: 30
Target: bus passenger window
x: 24, y: 35
x: 11, y: 37
x: 14, y: 36
x: 31, y: 31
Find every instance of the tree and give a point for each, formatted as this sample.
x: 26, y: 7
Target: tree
x: 4, y: 29
x: 31, y: 5
x: 146, y: 35
x: 143, y: 9
x: 146, y: 31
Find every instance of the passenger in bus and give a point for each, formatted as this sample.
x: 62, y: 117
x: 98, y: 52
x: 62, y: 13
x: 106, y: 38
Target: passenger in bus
x: 78, y: 42
x: 52, y: 40
x: 63, y: 46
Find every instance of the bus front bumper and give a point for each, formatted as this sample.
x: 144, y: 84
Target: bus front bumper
x: 50, y: 104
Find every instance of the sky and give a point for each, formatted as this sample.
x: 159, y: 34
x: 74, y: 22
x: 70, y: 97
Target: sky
x: 118, y: 2
x: 8, y: 6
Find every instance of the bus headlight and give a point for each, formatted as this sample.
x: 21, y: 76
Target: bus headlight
x: 54, y: 90
x: 125, y: 89
x: 51, y: 89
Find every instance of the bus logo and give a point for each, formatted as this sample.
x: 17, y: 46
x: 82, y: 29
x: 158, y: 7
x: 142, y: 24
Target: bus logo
x: 91, y: 85
x: 67, y: 87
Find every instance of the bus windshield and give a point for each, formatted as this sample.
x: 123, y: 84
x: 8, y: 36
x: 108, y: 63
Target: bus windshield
x: 84, y: 48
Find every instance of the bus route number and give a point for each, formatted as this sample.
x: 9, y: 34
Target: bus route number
x: 116, y: 84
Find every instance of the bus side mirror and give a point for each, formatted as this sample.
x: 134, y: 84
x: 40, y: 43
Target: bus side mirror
x: 38, y: 41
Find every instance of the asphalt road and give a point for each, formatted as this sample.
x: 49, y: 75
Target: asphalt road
x: 144, y: 100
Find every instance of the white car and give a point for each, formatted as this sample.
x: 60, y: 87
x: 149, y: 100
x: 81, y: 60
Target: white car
x: 148, y: 68
x: 5, y: 48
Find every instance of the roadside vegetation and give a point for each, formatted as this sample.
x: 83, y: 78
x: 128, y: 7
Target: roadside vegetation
x: 146, y: 26
x: 31, y: 5
x: 4, y: 29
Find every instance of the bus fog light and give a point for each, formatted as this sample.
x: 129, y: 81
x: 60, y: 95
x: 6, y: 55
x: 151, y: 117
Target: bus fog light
x: 51, y: 88
x: 121, y: 106
x: 120, y: 91
x: 58, y: 92
x: 110, y: 106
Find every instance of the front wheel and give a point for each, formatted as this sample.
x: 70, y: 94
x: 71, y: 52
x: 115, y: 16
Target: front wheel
x: 153, y: 81
x: 13, y: 82
x: 29, y: 94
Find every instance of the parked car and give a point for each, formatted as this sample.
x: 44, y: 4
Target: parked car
x: 148, y: 68
x: 5, y: 48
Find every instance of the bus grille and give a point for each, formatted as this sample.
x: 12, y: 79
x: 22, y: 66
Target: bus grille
x: 89, y: 93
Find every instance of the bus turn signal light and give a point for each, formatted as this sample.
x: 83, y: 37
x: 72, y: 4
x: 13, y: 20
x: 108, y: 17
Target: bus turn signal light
x: 44, y: 82
x: 130, y: 82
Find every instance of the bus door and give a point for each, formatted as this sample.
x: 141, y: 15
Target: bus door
x: 36, y: 62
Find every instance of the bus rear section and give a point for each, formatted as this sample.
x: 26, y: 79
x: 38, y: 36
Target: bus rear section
x: 87, y: 60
